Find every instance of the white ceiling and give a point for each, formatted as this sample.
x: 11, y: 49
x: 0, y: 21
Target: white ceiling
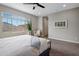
x: 49, y: 8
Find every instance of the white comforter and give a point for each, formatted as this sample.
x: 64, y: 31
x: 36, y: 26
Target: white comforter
x: 20, y: 46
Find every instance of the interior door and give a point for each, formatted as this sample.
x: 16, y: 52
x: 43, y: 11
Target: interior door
x: 45, y: 26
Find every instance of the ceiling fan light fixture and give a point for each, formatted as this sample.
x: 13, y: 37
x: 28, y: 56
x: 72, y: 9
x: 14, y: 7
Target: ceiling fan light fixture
x: 33, y: 7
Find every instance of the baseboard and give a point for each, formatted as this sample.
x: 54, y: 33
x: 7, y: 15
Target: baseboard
x: 65, y: 40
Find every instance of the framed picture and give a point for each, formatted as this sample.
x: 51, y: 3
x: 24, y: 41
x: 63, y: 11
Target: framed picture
x: 60, y: 23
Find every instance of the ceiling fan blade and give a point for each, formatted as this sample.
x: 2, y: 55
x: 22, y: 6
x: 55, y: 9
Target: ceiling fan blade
x: 29, y: 3
x: 40, y: 5
x: 35, y: 4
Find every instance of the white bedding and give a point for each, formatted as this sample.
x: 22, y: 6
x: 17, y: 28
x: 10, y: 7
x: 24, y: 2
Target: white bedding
x: 20, y: 46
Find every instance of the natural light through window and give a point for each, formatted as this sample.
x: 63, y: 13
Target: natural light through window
x: 13, y: 22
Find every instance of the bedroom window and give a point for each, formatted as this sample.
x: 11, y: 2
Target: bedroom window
x: 6, y: 22
x: 19, y: 25
x: 13, y: 23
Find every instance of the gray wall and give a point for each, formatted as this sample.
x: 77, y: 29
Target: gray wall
x: 16, y: 12
x: 71, y: 33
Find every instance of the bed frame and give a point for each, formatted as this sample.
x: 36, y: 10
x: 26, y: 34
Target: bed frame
x: 45, y: 53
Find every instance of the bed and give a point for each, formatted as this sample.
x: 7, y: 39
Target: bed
x: 22, y: 46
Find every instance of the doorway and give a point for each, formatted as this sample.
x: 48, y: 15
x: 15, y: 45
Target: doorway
x: 45, y: 26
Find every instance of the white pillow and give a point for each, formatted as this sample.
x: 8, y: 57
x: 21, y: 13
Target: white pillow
x: 35, y: 42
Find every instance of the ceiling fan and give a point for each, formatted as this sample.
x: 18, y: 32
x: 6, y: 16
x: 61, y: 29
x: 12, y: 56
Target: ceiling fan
x: 39, y: 5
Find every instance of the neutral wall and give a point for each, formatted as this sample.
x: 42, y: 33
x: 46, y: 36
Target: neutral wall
x: 40, y: 23
x: 18, y: 13
x: 71, y: 33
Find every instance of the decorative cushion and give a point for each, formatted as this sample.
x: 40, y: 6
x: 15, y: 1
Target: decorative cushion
x: 35, y: 42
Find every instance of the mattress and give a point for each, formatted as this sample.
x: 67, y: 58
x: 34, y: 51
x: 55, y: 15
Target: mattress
x: 20, y: 46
